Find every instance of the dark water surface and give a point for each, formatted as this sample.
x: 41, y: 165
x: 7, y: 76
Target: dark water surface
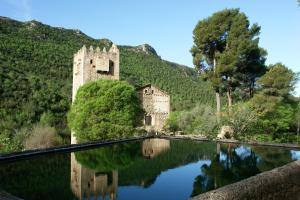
x: 150, y: 169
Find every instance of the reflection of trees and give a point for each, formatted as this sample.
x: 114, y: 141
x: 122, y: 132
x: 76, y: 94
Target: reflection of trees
x: 133, y: 163
x: 271, y: 157
x: 42, y: 177
x: 225, y: 168
x: 144, y: 171
x: 110, y: 158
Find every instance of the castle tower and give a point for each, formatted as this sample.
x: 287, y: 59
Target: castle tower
x: 93, y: 64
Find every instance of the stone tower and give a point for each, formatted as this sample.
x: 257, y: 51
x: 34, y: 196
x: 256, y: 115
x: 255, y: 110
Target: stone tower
x: 90, y: 184
x: 93, y: 64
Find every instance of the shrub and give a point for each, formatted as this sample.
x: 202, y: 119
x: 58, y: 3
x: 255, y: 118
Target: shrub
x: 204, y: 121
x: 200, y: 120
x: 172, y: 121
x: 41, y: 137
x: 10, y: 142
x: 105, y: 109
x: 242, y: 119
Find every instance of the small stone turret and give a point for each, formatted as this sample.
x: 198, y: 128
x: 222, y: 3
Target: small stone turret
x: 92, y: 64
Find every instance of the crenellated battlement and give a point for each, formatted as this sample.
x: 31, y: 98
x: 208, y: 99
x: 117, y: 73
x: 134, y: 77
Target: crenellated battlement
x: 91, y: 50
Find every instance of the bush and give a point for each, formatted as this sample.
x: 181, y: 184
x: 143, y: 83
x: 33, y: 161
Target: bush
x: 10, y: 142
x: 172, y: 121
x: 242, y: 119
x: 200, y: 120
x: 105, y: 109
x: 42, y: 137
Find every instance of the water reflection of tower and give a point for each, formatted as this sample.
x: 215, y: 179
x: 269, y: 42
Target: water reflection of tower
x: 154, y: 147
x: 90, y: 184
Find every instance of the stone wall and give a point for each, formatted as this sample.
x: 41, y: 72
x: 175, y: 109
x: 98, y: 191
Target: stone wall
x: 279, y: 183
x: 156, y: 104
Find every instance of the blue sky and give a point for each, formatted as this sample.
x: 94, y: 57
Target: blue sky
x: 166, y: 25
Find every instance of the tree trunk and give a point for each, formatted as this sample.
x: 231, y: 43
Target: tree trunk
x: 218, y: 101
x: 229, y: 95
x: 298, y: 128
x: 251, y: 88
x: 229, y: 98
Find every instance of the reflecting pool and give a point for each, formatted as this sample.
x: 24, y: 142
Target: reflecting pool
x: 148, y: 169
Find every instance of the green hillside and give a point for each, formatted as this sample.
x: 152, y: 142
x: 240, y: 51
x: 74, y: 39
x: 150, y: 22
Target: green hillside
x: 36, y: 74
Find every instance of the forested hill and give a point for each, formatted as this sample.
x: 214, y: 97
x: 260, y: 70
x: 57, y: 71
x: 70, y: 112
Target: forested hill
x: 36, y: 73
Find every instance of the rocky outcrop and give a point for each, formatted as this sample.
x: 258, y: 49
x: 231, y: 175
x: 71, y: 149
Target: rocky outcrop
x: 146, y: 48
x: 225, y: 133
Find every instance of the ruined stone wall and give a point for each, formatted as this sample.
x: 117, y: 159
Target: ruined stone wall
x: 156, y: 104
x: 279, y: 183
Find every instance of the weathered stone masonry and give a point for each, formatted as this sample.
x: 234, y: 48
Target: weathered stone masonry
x: 93, y: 64
x: 156, y: 104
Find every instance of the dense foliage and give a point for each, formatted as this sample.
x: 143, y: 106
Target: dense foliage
x: 201, y: 120
x: 181, y: 82
x: 105, y: 109
x: 276, y: 107
x: 226, y: 52
x: 36, y: 75
x: 35, y: 177
x: 272, y: 114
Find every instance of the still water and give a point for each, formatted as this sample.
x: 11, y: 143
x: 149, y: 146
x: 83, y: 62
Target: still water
x: 149, y: 169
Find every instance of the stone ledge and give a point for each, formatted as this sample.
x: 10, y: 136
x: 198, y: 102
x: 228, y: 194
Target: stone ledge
x: 279, y: 183
x: 65, y: 148
x: 202, y: 138
x: 6, y: 196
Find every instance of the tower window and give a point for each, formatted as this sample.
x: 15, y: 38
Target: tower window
x: 148, y: 120
x: 91, y: 61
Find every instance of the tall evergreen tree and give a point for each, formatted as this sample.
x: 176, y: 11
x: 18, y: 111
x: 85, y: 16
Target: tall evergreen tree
x: 226, y: 51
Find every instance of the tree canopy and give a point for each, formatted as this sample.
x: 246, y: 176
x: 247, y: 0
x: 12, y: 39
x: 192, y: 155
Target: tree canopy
x: 105, y: 109
x: 273, y: 102
x: 226, y: 51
